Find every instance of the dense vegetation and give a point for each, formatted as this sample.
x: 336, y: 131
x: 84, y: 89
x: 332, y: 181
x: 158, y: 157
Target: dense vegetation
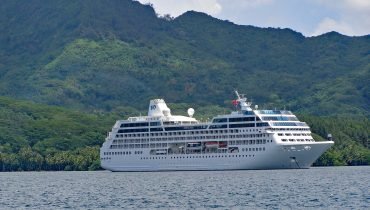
x: 96, y: 60
x: 100, y: 55
x: 35, y: 137
x: 351, y: 136
x: 41, y: 137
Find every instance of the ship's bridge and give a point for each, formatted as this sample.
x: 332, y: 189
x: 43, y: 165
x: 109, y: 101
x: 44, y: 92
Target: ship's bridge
x: 273, y: 112
x: 280, y: 118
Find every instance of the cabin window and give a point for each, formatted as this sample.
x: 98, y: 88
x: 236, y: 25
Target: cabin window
x: 241, y: 125
x: 241, y: 119
x: 219, y: 120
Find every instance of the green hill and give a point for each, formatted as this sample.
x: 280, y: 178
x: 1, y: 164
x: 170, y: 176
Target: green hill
x: 35, y: 137
x: 100, y: 55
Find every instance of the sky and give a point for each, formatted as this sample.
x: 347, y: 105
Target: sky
x: 309, y: 17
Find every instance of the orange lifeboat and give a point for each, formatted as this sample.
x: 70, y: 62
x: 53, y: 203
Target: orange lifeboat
x: 211, y: 144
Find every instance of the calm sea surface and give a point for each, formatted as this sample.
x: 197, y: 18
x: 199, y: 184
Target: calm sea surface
x: 331, y: 187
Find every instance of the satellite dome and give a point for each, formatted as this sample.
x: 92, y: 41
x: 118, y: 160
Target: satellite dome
x: 191, y: 112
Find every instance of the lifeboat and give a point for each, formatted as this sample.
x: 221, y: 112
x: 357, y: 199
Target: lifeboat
x: 222, y: 144
x: 193, y: 144
x: 211, y: 144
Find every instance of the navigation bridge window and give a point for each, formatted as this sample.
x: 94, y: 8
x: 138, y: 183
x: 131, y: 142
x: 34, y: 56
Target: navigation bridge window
x: 274, y: 112
x: 279, y: 118
x: 289, y: 124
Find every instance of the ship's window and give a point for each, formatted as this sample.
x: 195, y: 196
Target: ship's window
x: 219, y: 120
x: 241, y: 119
x: 241, y: 125
x: 262, y: 124
x: 133, y: 130
x: 155, y: 123
x: 218, y: 126
x: 288, y: 124
x: 127, y: 125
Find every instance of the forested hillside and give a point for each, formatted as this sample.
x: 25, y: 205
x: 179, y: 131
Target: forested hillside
x: 100, y: 55
x: 97, y: 61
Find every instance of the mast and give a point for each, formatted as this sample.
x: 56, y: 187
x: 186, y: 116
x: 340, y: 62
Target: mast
x: 242, y: 102
x: 237, y: 94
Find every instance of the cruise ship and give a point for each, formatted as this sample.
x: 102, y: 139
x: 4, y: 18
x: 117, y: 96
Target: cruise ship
x: 246, y: 138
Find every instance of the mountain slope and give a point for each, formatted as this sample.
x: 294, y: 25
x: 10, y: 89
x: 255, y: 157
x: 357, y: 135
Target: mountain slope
x: 100, y: 55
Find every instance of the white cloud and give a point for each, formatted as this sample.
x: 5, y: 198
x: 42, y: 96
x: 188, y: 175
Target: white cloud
x: 362, y: 5
x: 177, y: 7
x: 352, y: 17
x: 311, y: 17
x: 246, y: 4
x: 328, y: 25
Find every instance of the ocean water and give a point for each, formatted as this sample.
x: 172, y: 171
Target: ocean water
x: 315, y: 188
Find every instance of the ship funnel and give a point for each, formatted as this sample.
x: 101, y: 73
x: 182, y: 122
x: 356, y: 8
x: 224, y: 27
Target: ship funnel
x: 158, y: 108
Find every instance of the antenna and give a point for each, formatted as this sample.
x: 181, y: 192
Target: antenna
x: 237, y: 94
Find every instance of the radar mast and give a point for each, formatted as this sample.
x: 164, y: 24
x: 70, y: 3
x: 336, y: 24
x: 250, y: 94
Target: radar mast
x: 242, y: 102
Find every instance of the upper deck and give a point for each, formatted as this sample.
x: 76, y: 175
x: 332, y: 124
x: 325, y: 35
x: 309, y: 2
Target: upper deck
x: 160, y: 119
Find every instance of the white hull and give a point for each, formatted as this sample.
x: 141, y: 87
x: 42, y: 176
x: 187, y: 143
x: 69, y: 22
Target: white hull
x: 279, y: 156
